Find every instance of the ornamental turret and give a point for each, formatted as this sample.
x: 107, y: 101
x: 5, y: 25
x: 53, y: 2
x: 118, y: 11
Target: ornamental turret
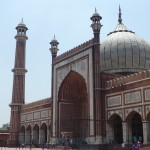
x: 18, y: 94
x: 96, y: 25
x: 54, y: 47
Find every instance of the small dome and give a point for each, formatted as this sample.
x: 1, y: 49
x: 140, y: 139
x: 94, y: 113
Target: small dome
x: 96, y: 14
x: 21, y: 24
x: 54, y: 40
x: 122, y: 51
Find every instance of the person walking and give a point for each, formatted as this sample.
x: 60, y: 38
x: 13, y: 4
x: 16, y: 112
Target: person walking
x: 123, y: 145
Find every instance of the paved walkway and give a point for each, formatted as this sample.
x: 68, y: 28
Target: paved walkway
x: 6, y: 148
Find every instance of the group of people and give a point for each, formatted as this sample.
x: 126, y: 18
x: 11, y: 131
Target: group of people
x: 136, y: 143
x: 135, y: 146
x: 67, y: 141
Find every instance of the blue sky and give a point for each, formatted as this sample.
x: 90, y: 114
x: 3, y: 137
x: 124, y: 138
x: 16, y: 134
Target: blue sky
x: 70, y: 21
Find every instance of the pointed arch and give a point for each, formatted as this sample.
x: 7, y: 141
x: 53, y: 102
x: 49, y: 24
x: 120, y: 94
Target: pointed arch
x: 22, y: 135
x: 115, y: 131
x: 43, y: 133
x: 73, y: 88
x: 135, y: 126
x: 44, y: 125
x: 131, y: 114
x: 35, y: 126
x: 73, y: 105
x: 28, y: 127
x: 35, y: 134
x: 28, y: 134
x: 22, y: 127
x: 113, y: 116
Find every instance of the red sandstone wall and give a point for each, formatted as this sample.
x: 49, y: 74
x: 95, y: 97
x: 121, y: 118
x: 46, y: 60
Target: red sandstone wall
x: 85, y: 45
x: 38, y: 111
x: 44, y: 103
x: 4, y: 135
x: 129, y: 79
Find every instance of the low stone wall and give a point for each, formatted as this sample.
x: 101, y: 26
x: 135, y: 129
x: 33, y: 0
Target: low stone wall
x: 4, y: 135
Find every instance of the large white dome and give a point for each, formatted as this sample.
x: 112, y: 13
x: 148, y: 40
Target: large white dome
x: 122, y: 51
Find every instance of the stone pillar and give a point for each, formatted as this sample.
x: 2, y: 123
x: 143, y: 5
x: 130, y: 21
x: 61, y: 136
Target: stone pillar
x: 48, y: 135
x: 39, y: 136
x: 125, y: 129
x: 148, y: 132
x: 32, y: 137
x: 25, y: 140
x: 145, y: 132
x: 110, y: 132
x: 130, y: 133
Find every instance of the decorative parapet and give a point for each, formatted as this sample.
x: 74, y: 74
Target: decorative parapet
x: 74, y: 50
x: 37, y: 103
x: 119, y: 81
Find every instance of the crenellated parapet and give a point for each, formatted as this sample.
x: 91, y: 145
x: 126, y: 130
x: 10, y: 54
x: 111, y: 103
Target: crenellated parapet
x: 74, y: 50
x: 36, y: 103
x: 120, y: 81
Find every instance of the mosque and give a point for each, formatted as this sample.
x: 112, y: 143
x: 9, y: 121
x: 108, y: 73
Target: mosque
x: 100, y: 91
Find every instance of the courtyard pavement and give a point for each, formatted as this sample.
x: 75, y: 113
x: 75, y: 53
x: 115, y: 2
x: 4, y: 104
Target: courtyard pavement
x: 6, y: 148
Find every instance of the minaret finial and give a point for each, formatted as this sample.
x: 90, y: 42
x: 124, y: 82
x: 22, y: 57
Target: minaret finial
x: 54, y: 36
x: 120, y: 19
x: 22, y: 20
x: 95, y: 9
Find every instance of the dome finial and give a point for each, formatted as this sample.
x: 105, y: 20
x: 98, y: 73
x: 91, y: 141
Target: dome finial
x: 120, y: 19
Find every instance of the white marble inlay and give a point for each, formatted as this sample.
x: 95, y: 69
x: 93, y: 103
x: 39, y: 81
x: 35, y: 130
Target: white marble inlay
x: 29, y: 116
x: 44, y: 114
x: 36, y: 115
x: 114, y: 101
x: 133, y: 97
x: 147, y: 94
x: 23, y: 117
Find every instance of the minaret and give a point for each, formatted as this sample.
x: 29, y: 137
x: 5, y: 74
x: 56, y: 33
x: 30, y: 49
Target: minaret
x: 18, y: 94
x: 54, y: 47
x: 96, y: 26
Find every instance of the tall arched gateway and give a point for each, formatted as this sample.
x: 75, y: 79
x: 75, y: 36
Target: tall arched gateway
x: 73, y: 110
